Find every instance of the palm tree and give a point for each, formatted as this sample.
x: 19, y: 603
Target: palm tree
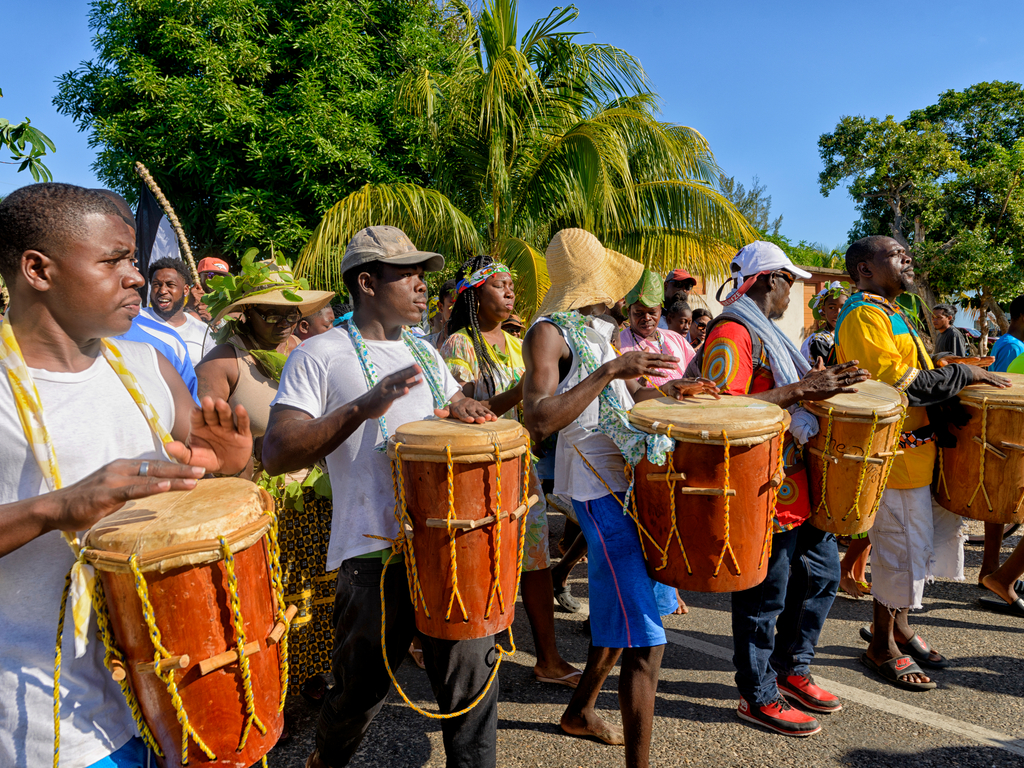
x: 527, y: 135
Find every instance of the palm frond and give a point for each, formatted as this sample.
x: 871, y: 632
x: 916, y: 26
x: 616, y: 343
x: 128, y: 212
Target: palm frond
x: 531, y: 272
x: 425, y: 215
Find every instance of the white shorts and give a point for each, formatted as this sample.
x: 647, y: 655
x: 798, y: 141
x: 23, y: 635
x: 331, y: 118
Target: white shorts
x: 913, y: 542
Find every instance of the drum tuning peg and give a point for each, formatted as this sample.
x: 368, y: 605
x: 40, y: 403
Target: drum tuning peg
x: 279, y: 629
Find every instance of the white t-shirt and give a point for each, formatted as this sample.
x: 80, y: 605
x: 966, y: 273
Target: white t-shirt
x: 323, y: 374
x: 195, y: 333
x: 92, y: 420
x: 573, y: 478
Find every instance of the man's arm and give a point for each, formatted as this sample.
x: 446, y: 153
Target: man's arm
x: 295, y: 440
x: 545, y: 412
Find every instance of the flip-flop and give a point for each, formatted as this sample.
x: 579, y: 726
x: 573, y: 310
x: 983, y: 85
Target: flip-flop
x: 569, y: 681
x: 565, y: 599
x: 997, y: 604
x: 917, y: 648
x: 893, y: 669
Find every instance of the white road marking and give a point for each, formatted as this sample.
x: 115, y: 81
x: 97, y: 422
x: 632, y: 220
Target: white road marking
x: 873, y: 700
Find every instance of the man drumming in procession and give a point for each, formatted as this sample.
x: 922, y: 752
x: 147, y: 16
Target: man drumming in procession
x: 576, y: 385
x: 342, y: 394
x: 92, y: 426
x: 776, y: 624
x: 912, y: 540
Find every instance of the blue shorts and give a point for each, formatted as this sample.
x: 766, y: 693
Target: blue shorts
x: 131, y: 755
x: 626, y: 605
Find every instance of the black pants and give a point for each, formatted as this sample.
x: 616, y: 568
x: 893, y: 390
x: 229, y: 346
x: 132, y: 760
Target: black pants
x: 458, y: 671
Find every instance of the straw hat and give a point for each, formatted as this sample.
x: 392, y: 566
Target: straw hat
x: 267, y: 283
x: 584, y: 272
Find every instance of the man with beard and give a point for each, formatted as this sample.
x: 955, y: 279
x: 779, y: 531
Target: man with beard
x: 913, y: 541
x: 776, y: 624
x: 169, y: 282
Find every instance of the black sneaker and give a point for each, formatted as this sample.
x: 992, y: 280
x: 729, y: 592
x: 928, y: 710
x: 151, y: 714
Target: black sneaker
x: 780, y: 717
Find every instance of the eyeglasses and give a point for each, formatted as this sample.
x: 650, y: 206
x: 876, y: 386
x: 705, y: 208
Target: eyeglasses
x: 702, y: 325
x: 210, y: 274
x: 274, y: 318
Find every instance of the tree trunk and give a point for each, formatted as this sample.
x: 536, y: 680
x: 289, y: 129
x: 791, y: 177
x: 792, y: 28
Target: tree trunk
x: 986, y: 297
x: 1001, y: 321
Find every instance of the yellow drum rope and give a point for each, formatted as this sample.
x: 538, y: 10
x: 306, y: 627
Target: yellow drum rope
x: 496, y: 572
x: 402, y: 518
x: 275, y: 574
x: 766, y: 547
x: 891, y: 460
x: 826, y: 459
x: 863, y: 470
x: 167, y: 675
x: 56, y: 668
x: 454, y: 568
x: 240, y: 639
x: 727, y: 545
x: 981, y: 461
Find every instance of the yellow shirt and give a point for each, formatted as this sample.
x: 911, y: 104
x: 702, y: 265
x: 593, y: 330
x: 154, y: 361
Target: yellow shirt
x: 867, y: 335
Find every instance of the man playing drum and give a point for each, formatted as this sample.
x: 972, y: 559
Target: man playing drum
x: 341, y: 394
x: 84, y: 434
x: 776, y: 624
x: 576, y: 385
x: 908, y: 530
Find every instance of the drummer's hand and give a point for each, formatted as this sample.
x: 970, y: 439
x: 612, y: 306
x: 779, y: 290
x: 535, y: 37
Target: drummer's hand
x: 981, y: 376
x: 219, y: 439
x: 79, y: 506
x: 376, y: 402
x: 633, y: 365
x: 821, y: 383
x: 466, y: 409
x: 680, y: 388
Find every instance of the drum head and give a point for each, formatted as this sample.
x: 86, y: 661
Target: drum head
x: 179, y: 528
x: 975, y: 393
x: 703, y: 419
x: 870, y: 398
x: 432, y: 436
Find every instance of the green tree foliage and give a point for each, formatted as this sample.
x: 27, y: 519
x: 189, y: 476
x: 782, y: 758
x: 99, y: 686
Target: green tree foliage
x: 754, y: 203
x: 529, y: 132
x: 26, y: 145
x: 255, y: 116
x: 946, y: 183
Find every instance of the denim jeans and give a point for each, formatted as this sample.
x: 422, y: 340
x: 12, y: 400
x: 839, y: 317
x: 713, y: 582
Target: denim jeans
x: 776, y: 624
x: 457, y: 671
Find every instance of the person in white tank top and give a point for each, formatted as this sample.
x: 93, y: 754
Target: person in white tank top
x: 67, y: 257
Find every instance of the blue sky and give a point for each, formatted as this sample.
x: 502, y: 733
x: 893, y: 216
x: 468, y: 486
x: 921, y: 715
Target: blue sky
x: 760, y: 80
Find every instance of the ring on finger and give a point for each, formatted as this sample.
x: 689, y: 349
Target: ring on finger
x: 144, y: 469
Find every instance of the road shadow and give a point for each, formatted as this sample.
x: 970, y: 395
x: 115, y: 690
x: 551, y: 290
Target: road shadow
x: 965, y: 757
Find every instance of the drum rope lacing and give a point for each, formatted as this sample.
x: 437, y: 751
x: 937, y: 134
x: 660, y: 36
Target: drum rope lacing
x: 402, y: 544
x: 981, y: 459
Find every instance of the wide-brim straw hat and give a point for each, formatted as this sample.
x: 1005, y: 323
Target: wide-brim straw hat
x: 271, y: 293
x: 584, y: 272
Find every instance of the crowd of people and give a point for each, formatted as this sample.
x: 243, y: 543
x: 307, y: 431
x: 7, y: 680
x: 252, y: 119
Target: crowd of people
x: 251, y: 375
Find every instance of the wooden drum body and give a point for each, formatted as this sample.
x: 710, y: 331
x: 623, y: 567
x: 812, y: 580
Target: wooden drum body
x: 849, y: 460
x: 174, y: 542
x: 986, y: 484
x: 464, y: 492
x: 706, y: 517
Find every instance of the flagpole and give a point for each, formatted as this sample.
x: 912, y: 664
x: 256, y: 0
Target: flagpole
x: 171, y: 217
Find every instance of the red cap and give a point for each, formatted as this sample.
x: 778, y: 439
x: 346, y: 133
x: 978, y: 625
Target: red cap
x: 680, y: 276
x: 211, y: 264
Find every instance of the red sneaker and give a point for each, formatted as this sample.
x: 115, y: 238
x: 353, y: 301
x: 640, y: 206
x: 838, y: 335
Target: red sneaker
x: 780, y: 717
x: 814, y: 697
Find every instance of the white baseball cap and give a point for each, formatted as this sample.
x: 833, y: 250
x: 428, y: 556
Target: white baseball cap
x: 756, y: 259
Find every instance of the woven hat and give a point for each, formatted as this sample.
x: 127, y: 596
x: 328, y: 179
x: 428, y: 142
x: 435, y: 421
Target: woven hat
x: 584, y: 272
x: 264, y: 282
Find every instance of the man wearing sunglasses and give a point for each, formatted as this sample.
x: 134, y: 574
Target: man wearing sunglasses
x: 776, y: 624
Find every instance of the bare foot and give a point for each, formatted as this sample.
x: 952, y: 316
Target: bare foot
x: 314, y: 760
x: 681, y: 609
x: 593, y: 727
x: 1007, y: 594
x: 849, y: 585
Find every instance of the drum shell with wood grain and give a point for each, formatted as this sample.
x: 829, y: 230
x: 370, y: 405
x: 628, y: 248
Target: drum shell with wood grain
x: 1004, y: 476
x: 420, y: 446
x: 175, y: 536
x: 700, y: 427
x: 836, y: 505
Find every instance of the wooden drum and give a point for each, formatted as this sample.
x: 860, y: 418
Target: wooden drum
x: 986, y: 484
x: 463, y: 497
x: 188, y: 579
x: 705, y: 517
x: 849, y: 460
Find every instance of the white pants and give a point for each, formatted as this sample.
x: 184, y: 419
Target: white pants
x: 913, y: 542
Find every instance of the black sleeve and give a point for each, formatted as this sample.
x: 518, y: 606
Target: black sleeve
x: 819, y: 347
x: 932, y: 387
x: 959, y: 345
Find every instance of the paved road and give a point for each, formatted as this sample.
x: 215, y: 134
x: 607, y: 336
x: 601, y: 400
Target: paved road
x: 975, y: 718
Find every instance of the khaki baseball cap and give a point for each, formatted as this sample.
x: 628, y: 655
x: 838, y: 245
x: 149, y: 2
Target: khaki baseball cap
x: 389, y: 245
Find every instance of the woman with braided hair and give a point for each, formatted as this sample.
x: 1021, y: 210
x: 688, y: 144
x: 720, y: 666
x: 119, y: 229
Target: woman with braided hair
x: 488, y: 362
